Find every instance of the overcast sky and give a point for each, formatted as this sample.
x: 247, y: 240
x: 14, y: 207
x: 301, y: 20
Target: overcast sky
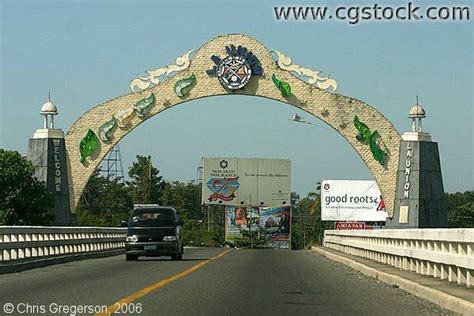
x: 86, y: 52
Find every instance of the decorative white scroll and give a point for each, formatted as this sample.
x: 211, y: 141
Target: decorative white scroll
x: 155, y: 76
x: 308, y: 75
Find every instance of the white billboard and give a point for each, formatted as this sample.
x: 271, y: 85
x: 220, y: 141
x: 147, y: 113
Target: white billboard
x: 351, y: 200
x: 246, y: 181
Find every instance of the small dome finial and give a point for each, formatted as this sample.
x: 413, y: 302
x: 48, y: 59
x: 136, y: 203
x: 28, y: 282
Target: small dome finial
x: 49, y: 109
x: 417, y: 113
x: 417, y: 110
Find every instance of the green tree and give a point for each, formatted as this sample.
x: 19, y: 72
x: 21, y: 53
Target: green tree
x: 310, y: 208
x: 146, y: 184
x: 23, y: 198
x: 298, y: 232
x: 251, y: 239
x: 217, y: 223
x: 462, y: 216
x: 104, y: 202
x: 167, y: 196
x: 460, y: 209
x: 185, y: 198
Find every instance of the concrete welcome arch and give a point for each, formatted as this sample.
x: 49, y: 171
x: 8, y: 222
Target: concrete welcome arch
x: 116, y: 118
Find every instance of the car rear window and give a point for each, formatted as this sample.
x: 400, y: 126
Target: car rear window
x: 152, y: 217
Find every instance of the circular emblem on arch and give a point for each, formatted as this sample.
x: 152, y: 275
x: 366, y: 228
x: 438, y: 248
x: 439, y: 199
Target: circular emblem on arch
x: 234, y: 72
x: 236, y: 69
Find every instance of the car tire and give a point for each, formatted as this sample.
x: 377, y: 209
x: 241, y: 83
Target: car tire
x: 129, y: 257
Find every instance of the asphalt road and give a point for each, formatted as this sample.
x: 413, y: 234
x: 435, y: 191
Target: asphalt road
x: 250, y: 282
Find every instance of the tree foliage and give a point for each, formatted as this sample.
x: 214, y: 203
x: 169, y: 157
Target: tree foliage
x: 146, y: 184
x: 460, y: 209
x: 307, y: 229
x: 104, y: 202
x: 24, y: 200
x: 107, y: 202
x: 251, y: 239
x: 185, y: 198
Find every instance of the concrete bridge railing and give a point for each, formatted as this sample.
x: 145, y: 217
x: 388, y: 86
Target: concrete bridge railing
x: 23, y: 244
x: 441, y: 253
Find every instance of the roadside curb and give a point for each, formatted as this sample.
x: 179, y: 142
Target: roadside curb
x: 27, y: 265
x: 447, y: 301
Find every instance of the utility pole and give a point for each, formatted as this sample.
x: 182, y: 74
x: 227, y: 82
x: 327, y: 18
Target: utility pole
x: 249, y: 216
x: 303, y: 226
x: 150, y: 190
x: 208, y: 219
x: 303, y: 219
x: 250, y: 228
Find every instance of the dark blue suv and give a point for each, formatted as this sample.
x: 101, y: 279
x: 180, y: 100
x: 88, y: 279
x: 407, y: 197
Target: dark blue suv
x: 154, y: 230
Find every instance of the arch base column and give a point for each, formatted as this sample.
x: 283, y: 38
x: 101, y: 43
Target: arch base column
x: 420, y: 201
x: 47, y: 153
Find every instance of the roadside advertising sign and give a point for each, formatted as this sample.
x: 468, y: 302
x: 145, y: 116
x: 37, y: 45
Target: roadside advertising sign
x: 349, y: 200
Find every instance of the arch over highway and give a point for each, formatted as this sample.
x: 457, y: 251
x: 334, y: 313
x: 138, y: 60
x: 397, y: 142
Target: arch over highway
x: 106, y: 124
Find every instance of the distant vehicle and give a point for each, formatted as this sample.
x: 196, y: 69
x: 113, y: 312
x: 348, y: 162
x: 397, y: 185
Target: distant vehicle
x: 153, y: 231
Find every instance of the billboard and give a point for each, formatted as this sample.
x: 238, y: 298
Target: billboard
x: 275, y: 224
x: 351, y: 200
x: 246, y: 181
x: 272, y: 224
x: 237, y: 219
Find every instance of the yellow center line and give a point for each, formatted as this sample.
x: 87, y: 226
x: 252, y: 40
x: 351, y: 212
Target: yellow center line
x: 147, y: 290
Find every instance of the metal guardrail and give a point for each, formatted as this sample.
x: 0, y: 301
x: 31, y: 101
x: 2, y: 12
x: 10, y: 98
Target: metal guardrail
x: 29, y: 243
x: 447, y: 254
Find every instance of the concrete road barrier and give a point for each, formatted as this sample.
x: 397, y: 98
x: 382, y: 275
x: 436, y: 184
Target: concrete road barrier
x: 23, y: 247
x: 447, y: 254
x: 440, y: 298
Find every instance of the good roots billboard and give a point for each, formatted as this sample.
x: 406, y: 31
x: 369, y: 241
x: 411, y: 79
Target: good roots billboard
x: 348, y: 200
x: 246, y: 181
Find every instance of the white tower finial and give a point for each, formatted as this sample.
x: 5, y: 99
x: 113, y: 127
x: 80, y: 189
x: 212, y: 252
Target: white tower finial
x: 49, y: 109
x: 416, y: 114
